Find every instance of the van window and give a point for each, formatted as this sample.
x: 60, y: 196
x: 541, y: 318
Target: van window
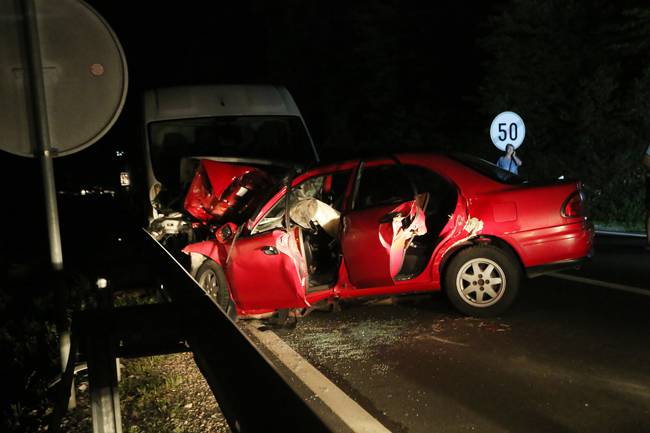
x: 281, y: 138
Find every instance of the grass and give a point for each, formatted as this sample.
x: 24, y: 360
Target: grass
x: 623, y: 227
x: 158, y: 394
x: 150, y: 399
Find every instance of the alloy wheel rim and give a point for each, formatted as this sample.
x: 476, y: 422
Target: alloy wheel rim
x: 209, y: 283
x: 481, y: 282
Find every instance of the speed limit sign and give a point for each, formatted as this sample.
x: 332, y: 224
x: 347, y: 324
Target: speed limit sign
x: 507, y: 128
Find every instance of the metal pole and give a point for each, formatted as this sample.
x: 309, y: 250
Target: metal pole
x: 43, y: 149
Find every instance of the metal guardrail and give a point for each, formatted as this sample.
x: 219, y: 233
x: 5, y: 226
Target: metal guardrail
x: 620, y: 233
x: 251, y: 393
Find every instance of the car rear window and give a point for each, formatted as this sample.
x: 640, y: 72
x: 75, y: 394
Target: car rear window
x: 488, y: 169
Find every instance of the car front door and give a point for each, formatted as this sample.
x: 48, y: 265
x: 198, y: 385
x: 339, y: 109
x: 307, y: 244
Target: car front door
x: 386, y: 213
x: 267, y: 270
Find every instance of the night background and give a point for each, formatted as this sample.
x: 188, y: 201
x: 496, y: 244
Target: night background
x: 370, y: 77
x: 379, y: 77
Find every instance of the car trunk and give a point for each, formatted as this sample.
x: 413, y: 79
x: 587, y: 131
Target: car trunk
x: 529, y: 205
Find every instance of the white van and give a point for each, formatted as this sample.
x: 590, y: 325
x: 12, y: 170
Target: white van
x: 253, y: 124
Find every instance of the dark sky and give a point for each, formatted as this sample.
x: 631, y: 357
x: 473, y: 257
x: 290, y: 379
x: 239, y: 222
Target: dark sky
x: 310, y: 47
x: 332, y: 56
x: 198, y: 41
x: 349, y: 65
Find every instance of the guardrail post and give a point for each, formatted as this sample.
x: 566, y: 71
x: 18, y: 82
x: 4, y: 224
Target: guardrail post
x: 102, y: 375
x: 106, y: 304
x: 102, y: 367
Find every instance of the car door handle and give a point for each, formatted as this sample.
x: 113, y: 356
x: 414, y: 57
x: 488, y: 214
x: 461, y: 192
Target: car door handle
x: 269, y: 250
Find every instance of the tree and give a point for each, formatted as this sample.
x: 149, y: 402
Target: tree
x: 577, y: 72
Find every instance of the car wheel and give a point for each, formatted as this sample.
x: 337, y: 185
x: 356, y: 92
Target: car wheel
x: 482, y: 281
x: 213, y: 281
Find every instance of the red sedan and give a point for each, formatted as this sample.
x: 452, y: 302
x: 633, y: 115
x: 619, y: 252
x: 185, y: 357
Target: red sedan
x: 377, y: 227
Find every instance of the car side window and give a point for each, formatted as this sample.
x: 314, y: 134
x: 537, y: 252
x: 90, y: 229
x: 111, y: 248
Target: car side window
x: 382, y: 185
x: 426, y: 180
x: 273, y: 218
x: 443, y: 195
x: 327, y: 188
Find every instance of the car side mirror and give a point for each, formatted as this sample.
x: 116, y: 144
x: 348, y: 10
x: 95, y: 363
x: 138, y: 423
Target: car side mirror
x: 225, y: 232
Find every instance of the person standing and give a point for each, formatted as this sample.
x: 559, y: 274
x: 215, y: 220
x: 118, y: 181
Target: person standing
x: 646, y: 163
x: 510, y: 161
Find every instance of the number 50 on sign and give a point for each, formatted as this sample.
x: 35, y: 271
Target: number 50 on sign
x: 507, y: 128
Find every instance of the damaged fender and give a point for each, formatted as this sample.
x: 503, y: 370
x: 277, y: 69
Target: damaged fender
x: 473, y: 228
x: 201, y: 251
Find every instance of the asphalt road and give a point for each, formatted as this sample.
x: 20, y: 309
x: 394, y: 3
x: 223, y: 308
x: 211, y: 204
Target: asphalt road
x: 568, y: 356
x: 619, y: 259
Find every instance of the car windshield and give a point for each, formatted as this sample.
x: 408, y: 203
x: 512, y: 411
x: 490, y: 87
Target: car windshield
x: 280, y: 138
x: 488, y: 169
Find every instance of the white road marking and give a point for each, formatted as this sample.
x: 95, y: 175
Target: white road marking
x: 444, y: 340
x: 622, y: 234
x: 615, y: 286
x: 347, y: 410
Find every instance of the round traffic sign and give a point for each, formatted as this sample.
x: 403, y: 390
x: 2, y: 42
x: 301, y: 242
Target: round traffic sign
x: 507, y: 128
x: 84, y: 76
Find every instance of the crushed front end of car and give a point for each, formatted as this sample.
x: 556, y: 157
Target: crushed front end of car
x: 216, y: 192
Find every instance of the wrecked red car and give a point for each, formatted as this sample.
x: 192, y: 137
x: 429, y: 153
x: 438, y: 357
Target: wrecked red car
x: 365, y: 228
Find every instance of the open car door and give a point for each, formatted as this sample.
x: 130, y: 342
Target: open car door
x: 268, y: 271
x: 376, y: 235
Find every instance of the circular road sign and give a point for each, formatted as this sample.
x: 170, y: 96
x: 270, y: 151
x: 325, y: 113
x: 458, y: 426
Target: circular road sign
x: 507, y: 128
x: 84, y: 75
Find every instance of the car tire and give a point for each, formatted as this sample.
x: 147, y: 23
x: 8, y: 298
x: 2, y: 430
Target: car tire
x: 482, y: 280
x: 212, y: 280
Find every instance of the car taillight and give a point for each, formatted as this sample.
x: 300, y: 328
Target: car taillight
x: 573, y: 206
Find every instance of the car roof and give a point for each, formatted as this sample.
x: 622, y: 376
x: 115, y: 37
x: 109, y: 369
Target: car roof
x: 465, y: 177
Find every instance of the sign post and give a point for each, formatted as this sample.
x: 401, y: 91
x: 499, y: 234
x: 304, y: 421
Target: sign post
x: 63, y: 71
x: 43, y: 150
x: 41, y: 131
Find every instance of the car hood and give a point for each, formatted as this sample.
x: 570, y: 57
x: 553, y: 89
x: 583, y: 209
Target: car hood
x: 222, y: 191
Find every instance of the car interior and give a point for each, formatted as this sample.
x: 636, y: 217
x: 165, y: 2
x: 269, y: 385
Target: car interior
x: 439, y: 209
x: 322, y: 249
x: 397, y: 183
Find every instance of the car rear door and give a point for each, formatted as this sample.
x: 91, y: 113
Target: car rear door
x: 386, y: 213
